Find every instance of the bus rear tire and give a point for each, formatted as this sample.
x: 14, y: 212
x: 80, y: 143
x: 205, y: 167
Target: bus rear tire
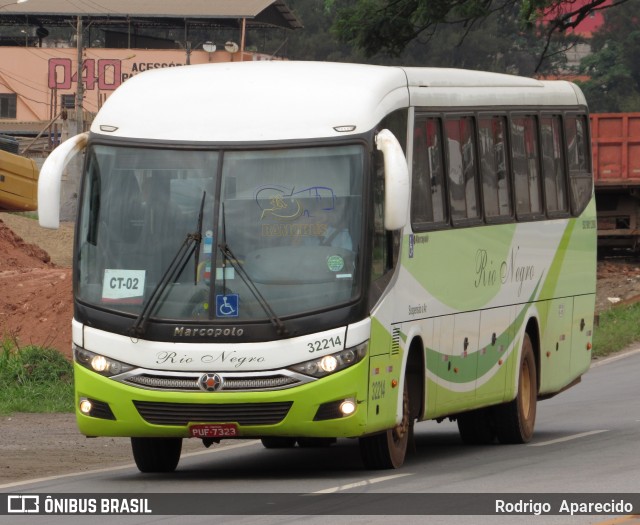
x: 156, y: 454
x: 515, y: 421
x: 389, y: 449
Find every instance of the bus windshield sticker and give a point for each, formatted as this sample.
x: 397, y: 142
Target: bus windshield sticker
x: 208, y: 242
x: 227, y: 305
x: 335, y: 263
x: 123, y: 286
x: 228, y: 272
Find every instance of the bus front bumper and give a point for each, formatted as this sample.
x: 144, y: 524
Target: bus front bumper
x: 309, y: 410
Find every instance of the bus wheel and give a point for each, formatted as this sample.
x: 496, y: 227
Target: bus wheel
x: 476, y: 427
x: 388, y: 450
x: 156, y: 454
x: 515, y: 420
x: 278, y: 442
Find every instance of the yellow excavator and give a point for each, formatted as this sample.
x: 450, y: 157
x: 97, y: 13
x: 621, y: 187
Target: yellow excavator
x: 18, y: 183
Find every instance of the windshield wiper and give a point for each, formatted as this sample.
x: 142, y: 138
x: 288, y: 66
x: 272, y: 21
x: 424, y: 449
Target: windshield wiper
x: 230, y: 257
x: 190, y: 245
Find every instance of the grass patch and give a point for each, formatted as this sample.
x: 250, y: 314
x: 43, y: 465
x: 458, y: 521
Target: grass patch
x: 34, y: 379
x: 618, y: 328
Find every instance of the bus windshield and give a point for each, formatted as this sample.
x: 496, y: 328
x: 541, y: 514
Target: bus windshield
x: 279, y: 233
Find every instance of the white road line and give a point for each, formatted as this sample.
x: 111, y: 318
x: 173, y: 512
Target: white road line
x: 566, y: 438
x: 124, y: 467
x: 363, y: 483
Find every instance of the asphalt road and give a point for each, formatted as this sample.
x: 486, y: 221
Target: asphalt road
x: 587, y: 440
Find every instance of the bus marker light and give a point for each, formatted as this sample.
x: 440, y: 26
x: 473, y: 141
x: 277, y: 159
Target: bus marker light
x: 394, y: 383
x: 85, y: 406
x: 548, y: 354
x: 344, y: 129
x: 588, y: 346
x: 499, y: 361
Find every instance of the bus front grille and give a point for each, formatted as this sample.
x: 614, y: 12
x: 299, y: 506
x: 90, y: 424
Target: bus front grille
x: 191, y: 383
x: 181, y: 414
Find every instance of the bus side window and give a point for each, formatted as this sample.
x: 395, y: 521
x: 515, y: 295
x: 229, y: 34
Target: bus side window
x: 463, y: 194
x: 553, y: 168
x: 493, y: 167
x: 577, y: 136
x: 524, y: 139
x: 427, y: 189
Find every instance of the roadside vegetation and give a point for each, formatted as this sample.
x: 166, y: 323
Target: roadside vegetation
x: 34, y: 379
x: 617, y: 328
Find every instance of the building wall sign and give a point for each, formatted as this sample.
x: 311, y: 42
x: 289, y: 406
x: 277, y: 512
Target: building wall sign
x: 41, y: 78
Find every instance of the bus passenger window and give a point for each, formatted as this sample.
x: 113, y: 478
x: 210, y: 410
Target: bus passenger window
x: 463, y: 194
x: 579, y: 167
x: 553, y: 170
x: 493, y: 167
x: 525, y: 165
x: 427, y: 192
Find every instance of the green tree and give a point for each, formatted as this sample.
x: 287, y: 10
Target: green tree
x: 498, y: 43
x: 389, y: 26
x: 613, y: 65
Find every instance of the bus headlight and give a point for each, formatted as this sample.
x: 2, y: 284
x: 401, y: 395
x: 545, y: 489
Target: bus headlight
x: 329, y: 364
x: 98, y: 363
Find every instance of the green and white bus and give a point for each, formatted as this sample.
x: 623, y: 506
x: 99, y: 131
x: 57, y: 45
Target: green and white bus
x: 299, y: 252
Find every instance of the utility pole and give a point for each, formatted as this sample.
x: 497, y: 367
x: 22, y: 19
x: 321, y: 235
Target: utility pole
x: 80, y: 89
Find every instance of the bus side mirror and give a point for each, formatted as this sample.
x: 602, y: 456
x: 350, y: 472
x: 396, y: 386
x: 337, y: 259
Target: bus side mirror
x: 396, y: 180
x: 51, y: 177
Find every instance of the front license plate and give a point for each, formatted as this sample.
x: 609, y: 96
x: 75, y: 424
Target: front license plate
x: 224, y: 430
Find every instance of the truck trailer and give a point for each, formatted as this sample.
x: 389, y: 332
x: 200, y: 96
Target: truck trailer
x: 615, y: 139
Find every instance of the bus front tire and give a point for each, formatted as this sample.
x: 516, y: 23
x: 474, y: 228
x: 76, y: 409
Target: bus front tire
x: 515, y: 421
x: 389, y: 449
x: 156, y: 454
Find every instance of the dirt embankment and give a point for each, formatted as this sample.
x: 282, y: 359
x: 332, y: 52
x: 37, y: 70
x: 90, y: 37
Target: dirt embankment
x: 35, y: 283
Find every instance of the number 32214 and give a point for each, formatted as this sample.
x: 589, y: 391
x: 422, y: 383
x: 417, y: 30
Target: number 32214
x: 325, y: 344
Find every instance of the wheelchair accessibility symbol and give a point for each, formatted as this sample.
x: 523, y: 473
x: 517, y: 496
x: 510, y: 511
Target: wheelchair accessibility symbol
x: 227, y: 305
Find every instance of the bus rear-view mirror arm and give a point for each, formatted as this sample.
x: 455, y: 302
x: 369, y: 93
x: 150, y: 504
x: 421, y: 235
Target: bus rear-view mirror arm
x: 50, y: 179
x: 396, y: 180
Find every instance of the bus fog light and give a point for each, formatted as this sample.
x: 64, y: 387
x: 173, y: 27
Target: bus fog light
x: 348, y: 407
x: 328, y: 363
x: 85, y: 406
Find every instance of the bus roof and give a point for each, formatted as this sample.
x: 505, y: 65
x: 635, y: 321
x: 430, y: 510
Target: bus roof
x: 284, y: 100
